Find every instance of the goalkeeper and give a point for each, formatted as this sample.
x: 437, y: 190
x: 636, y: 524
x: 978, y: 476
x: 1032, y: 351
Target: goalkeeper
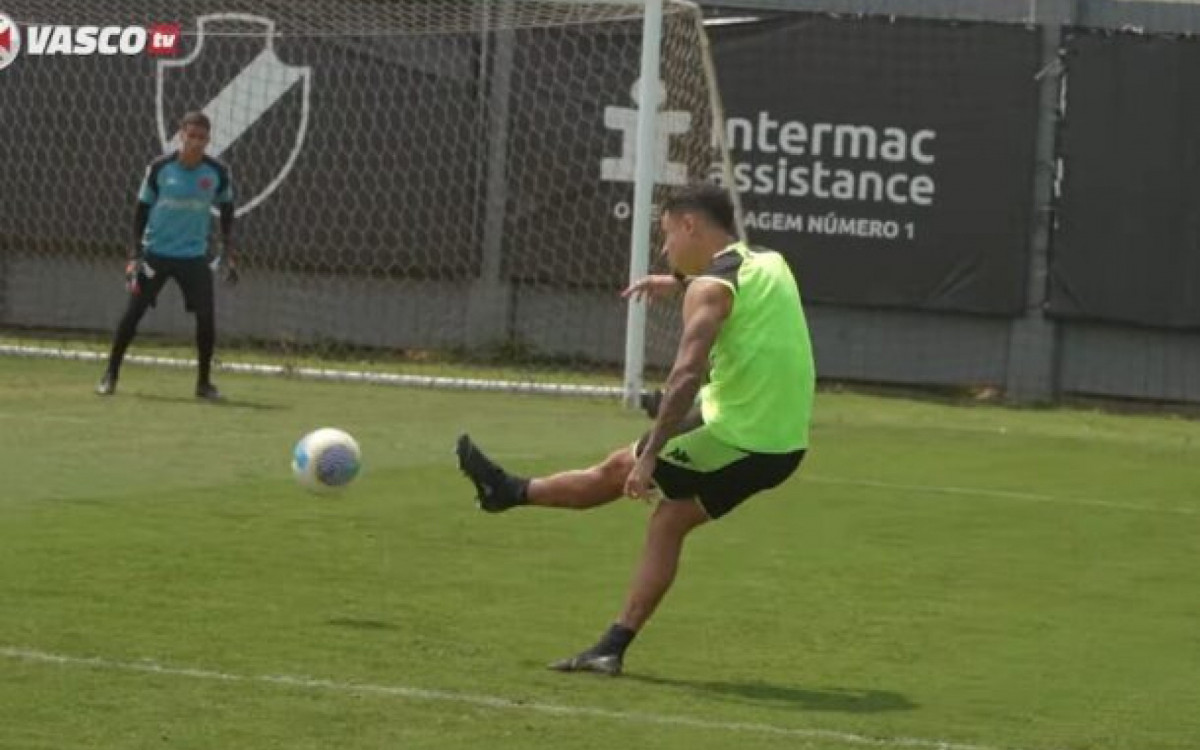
x: 171, y: 229
x: 743, y: 327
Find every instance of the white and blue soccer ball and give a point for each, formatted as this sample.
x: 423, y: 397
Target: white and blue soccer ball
x: 326, y: 459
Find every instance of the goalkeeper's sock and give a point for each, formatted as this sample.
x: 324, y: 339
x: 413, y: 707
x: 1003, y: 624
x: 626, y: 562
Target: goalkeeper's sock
x: 206, y: 337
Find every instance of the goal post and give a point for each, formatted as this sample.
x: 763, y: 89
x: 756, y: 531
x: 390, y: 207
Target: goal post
x: 645, y: 177
x: 448, y: 190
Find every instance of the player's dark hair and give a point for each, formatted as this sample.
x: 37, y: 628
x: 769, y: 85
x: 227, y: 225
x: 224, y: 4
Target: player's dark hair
x: 707, y: 199
x: 198, y: 119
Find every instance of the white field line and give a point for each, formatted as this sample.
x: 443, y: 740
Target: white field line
x: 484, y: 701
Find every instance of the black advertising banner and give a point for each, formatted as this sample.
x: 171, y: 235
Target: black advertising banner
x: 890, y: 161
x: 1127, y: 247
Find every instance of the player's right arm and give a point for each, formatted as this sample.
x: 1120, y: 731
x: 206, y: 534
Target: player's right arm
x: 141, y: 217
x: 147, y: 196
x: 706, y: 305
x: 226, y: 211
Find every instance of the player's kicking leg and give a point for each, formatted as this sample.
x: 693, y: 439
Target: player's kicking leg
x: 497, y: 490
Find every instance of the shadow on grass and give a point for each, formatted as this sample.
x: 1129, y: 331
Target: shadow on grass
x: 846, y: 700
x: 361, y: 624
x: 222, y: 403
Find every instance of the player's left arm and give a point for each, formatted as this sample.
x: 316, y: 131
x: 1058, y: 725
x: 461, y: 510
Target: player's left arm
x: 706, y: 305
x: 225, y: 211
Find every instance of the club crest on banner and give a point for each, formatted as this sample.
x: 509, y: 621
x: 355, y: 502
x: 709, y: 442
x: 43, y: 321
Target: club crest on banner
x: 259, y: 106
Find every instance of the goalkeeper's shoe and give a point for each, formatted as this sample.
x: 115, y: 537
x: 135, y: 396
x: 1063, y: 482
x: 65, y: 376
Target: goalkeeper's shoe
x: 208, y: 392
x: 107, y: 385
x: 590, y: 661
x: 495, y: 490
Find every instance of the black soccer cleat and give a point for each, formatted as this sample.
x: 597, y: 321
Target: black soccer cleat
x: 590, y: 661
x: 495, y: 490
x: 107, y: 385
x: 208, y: 392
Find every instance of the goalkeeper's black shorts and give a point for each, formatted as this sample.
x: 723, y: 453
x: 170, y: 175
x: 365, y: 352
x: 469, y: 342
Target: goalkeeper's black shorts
x: 193, y: 275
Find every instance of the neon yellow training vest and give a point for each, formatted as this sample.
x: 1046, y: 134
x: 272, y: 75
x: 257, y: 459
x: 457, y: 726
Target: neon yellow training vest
x: 761, y: 377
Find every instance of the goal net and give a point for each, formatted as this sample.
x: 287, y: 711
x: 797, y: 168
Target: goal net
x: 435, y: 188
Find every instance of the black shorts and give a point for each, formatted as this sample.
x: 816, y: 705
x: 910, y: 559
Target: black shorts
x: 696, y: 465
x: 193, y: 275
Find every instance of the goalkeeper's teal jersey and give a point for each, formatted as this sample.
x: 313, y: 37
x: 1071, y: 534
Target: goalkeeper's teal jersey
x: 761, y: 378
x: 180, y: 201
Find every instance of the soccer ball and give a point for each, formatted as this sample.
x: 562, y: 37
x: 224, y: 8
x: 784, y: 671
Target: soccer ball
x: 326, y: 459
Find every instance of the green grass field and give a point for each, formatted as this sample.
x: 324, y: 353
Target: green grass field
x: 936, y: 577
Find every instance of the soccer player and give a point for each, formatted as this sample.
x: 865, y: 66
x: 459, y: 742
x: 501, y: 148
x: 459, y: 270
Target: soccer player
x: 743, y: 328
x: 171, y: 228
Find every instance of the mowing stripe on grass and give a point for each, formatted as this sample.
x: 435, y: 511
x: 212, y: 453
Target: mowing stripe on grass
x: 1031, y: 497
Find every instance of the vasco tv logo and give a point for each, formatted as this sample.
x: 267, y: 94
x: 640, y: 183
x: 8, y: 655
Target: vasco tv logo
x: 10, y: 41
x: 159, y: 40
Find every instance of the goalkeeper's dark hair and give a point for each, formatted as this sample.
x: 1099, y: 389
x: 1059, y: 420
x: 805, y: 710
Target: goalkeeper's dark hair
x: 196, y: 118
x: 707, y: 199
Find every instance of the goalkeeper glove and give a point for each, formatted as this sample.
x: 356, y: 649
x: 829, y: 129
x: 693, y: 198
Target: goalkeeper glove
x: 131, y: 275
x: 230, y: 274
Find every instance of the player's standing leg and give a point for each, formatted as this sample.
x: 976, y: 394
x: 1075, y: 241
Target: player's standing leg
x: 655, y: 572
x: 206, y: 340
x: 143, y: 286
x: 196, y: 281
